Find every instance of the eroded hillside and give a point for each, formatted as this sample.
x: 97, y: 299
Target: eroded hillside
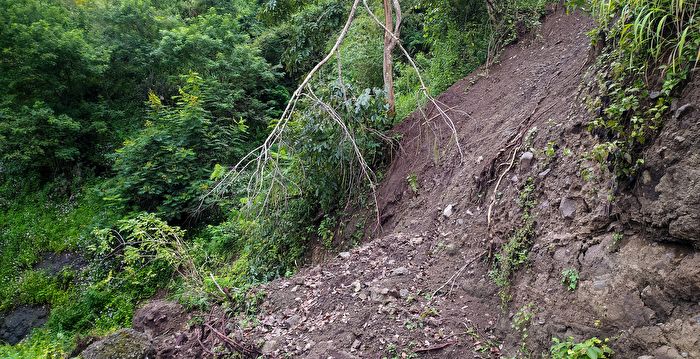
x: 492, y: 245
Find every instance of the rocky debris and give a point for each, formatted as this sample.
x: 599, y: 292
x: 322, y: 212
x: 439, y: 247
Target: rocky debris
x: 54, y: 263
x: 567, y: 208
x: 344, y: 255
x: 123, y: 344
x: 19, y: 322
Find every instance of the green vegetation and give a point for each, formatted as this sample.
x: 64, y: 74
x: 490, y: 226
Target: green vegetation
x: 569, y: 278
x: 592, y: 348
x: 412, y: 181
x: 515, y: 252
x: 648, y: 48
x: 520, y: 323
x: 119, y: 121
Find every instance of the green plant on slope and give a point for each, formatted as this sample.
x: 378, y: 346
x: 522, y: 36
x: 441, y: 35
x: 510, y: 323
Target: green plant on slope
x: 569, y: 278
x: 592, y: 348
x: 649, y: 47
x: 515, y: 252
x: 412, y: 181
x: 521, y: 323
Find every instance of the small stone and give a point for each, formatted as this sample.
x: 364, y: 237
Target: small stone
x: 654, y: 95
x: 526, y: 161
x: 355, y: 345
x: 567, y: 207
x: 679, y: 139
x: 460, y: 222
x: 481, y: 158
x: 344, y: 255
x: 403, y: 292
x: 514, y: 179
x: 269, y: 347
x: 544, y: 173
x: 356, y: 286
x: 416, y: 241
x: 447, y: 212
x: 293, y: 320
x: 646, y: 177
x: 400, y: 271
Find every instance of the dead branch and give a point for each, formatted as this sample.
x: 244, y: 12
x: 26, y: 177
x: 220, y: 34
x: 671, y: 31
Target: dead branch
x: 495, y: 190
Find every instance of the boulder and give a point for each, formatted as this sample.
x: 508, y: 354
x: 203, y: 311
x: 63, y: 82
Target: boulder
x: 123, y: 344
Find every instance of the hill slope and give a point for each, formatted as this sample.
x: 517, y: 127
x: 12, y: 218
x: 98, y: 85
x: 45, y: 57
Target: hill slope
x: 423, y: 286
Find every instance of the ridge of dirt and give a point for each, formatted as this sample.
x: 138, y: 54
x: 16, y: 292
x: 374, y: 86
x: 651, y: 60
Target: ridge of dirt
x: 421, y: 286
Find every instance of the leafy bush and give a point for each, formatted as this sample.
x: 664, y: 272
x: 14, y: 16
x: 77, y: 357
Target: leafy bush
x: 592, y: 348
x: 166, y: 166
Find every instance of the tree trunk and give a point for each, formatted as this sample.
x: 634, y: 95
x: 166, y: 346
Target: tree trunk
x: 389, y: 44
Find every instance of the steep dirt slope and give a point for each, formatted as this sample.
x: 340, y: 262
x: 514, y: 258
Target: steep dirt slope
x: 379, y: 297
x: 634, y: 287
x: 421, y: 285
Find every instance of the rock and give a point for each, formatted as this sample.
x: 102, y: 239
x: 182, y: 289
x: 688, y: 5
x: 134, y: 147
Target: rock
x: 269, y: 347
x: 19, y: 322
x: 400, y: 271
x: 654, y: 95
x: 416, y: 241
x: 567, y: 208
x: 404, y: 293
x: 293, y: 320
x: 123, y: 344
x: 680, y: 110
x: 544, y: 173
x: 514, y: 179
x: 447, y: 212
x: 356, y: 286
x: 344, y: 255
x: 355, y: 345
x: 526, y: 161
x: 451, y: 249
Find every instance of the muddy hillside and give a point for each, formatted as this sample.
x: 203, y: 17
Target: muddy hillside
x: 591, y: 259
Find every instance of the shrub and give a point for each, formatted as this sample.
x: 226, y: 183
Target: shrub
x: 592, y: 348
x: 165, y: 167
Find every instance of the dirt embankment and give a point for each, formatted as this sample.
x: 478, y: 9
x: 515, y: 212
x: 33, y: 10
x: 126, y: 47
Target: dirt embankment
x: 422, y: 285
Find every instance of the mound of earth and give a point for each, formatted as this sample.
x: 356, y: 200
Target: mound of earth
x: 421, y: 286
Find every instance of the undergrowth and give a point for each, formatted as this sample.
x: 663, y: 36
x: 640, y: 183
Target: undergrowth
x: 648, y: 49
x: 515, y: 252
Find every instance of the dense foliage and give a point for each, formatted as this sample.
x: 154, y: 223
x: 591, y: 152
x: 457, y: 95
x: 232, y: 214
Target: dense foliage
x: 117, y: 118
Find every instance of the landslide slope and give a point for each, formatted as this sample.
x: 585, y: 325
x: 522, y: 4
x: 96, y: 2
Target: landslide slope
x: 421, y: 285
